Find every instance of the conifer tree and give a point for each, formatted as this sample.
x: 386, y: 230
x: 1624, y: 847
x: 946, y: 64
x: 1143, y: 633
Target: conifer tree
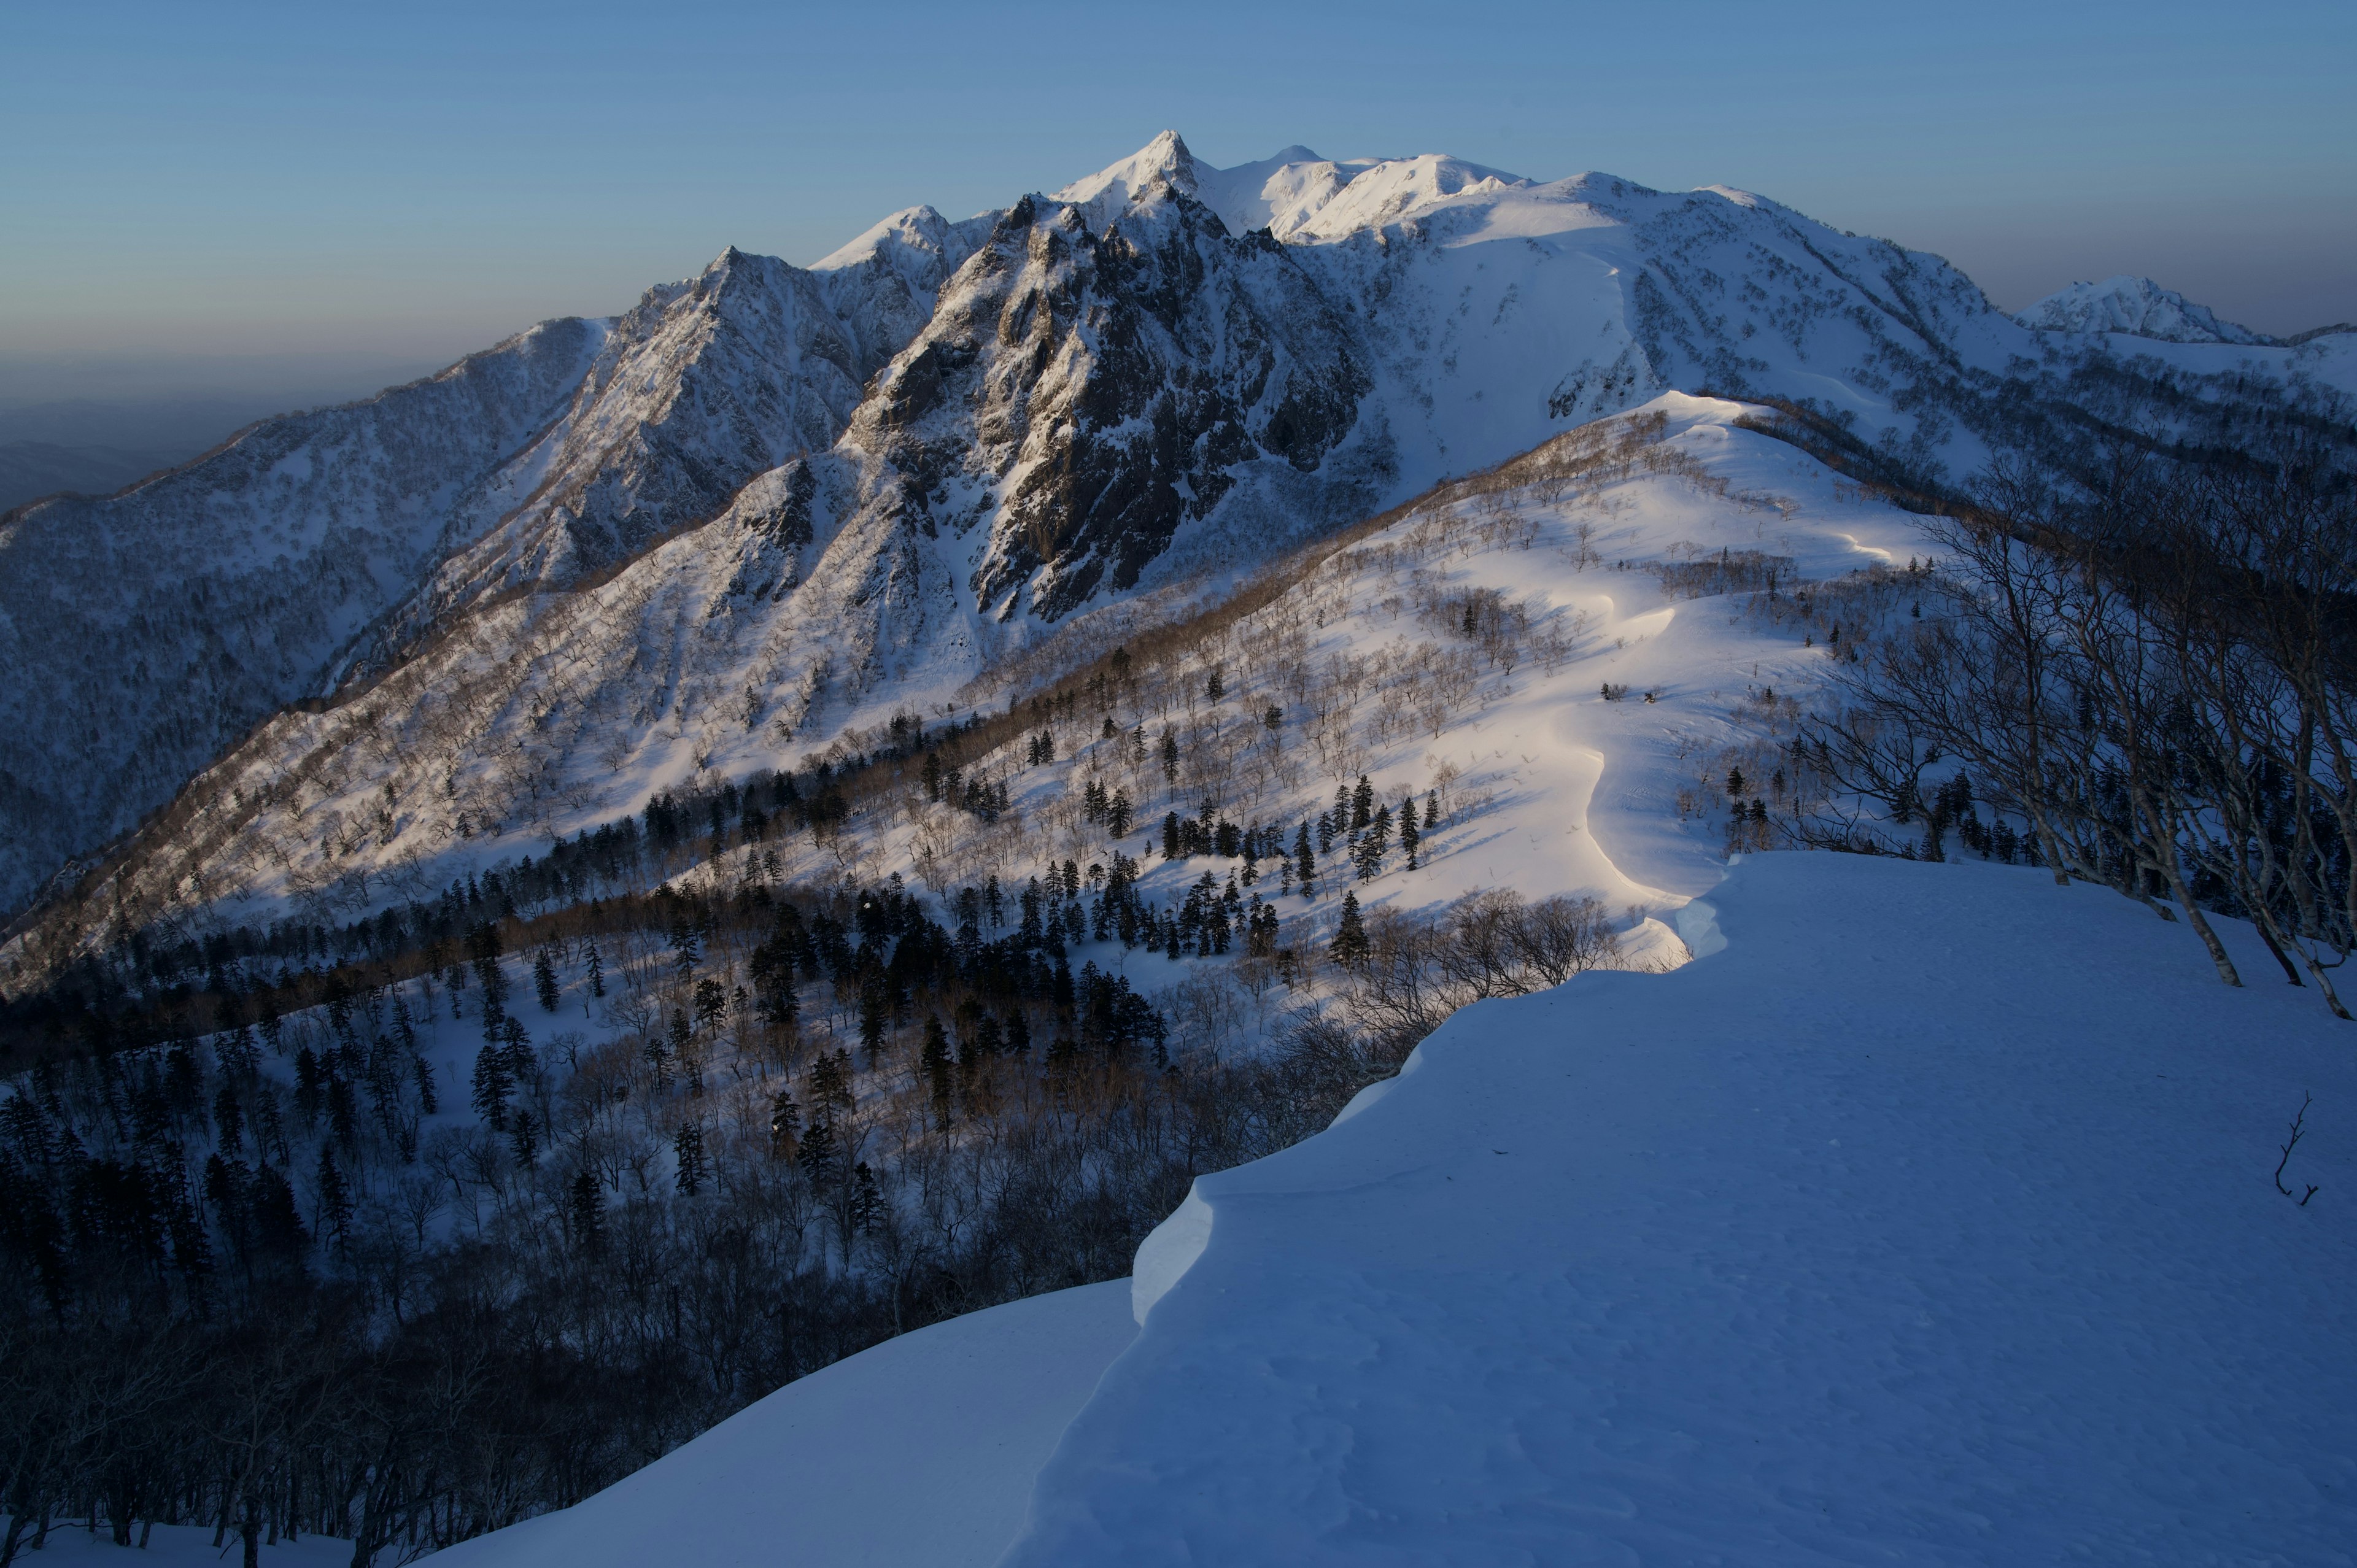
x: 493, y: 1083
x: 587, y: 1216
x: 1351, y: 945
x: 935, y: 1064
x: 867, y: 1202
x: 687, y: 1147
x: 335, y: 1199
x: 1409, y: 835
x: 543, y: 981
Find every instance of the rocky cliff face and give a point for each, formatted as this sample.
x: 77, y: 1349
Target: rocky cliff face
x: 1082, y: 395
x: 771, y: 501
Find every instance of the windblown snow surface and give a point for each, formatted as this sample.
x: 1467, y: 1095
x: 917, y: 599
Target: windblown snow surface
x: 1926, y: 1218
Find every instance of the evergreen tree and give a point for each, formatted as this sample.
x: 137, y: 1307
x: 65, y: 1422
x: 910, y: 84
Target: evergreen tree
x: 1375, y: 845
x: 1351, y: 945
x: 427, y: 1100
x: 1363, y: 804
x: 935, y: 1064
x: 1409, y: 835
x: 687, y: 1149
x: 588, y: 1215
x: 335, y: 1199
x: 543, y: 981
x: 526, y: 1138
x: 1169, y: 757
x: 493, y: 1083
x: 868, y: 1211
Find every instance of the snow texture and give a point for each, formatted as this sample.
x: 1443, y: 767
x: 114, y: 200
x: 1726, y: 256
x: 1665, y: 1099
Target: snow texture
x: 916, y: 1453
x: 1929, y: 1221
x: 2137, y: 307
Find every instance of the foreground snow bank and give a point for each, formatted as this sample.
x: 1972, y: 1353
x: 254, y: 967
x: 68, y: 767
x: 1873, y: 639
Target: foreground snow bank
x: 916, y: 1453
x: 1930, y: 1220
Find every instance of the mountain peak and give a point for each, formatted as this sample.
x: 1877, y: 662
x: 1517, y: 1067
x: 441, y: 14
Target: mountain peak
x: 1115, y: 186
x: 2137, y: 307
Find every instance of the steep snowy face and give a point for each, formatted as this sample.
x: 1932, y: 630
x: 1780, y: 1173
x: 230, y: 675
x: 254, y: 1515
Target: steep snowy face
x: 142, y: 633
x: 703, y: 385
x: 2138, y: 307
x: 1083, y: 394
x: 145, y: 632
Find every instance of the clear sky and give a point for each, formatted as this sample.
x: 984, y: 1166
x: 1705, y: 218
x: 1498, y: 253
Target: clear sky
x: 406, y: 181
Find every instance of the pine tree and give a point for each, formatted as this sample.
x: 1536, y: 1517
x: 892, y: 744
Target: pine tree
x: 1431, y: 811
x: 1409, y: 837
x: 543, y: 981
x: 867, y: 1202
x: 588, y: 1215
x: 335, y: 1199
x: 1363, y: 804
x: 687, y: 1147
x: 427, y: 1100
x: 1169, y: 757
x: 1351, y: 945
x: 493, y: 1084
x: 526, y: 1138
x: 935, y: 1064
x: 1375, y: 845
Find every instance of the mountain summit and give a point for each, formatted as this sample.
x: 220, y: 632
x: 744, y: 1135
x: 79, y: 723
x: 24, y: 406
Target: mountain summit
x: 772, y: 501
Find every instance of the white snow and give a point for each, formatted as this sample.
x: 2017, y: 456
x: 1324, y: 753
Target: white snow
x: 2137, y: 307
x: 916, y: 1453
x: 1930, y: 1221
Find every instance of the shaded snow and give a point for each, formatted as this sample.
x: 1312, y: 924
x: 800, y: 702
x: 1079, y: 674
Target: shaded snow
x: 2135, y: 305
x: 1931, y: 1220
x: 916, y: 1453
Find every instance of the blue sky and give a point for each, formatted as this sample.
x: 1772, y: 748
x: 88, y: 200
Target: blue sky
x: 407, y: 182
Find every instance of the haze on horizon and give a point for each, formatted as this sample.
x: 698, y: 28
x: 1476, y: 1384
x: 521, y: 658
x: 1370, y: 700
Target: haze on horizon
x: 259, y: 202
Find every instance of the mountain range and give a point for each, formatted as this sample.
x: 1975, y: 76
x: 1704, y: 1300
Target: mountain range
x: 772, y: 502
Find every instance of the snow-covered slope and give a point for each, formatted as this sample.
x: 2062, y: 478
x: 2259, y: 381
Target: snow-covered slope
x: 1929, y: 1216
x: 917, y: 1454
x: 713, y: 648
x: 1931, y: 1220
x: 2134, y: 305
x: 876, y: 478
x: 142, y: 633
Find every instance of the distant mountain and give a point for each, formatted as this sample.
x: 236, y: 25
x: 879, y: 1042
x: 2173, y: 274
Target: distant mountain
x: 32, y: 469
x: 771, y: 502
x: 2137, y: 307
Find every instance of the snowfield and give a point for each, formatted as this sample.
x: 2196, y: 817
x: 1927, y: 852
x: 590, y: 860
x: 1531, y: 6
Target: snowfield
x: 1928, y: 1220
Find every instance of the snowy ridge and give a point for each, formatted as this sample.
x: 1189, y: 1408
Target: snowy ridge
x: 1161, y: 376
x: 1928, y: 1219
x: 1819, y: 1248
x: 143, y: 633
x: 2137, y: 307
x: 710, y: 656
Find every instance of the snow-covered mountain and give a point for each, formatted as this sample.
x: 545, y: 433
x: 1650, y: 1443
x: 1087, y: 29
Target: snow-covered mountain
x: 771, y: 502
x: 145, y: 632
x: 2137, y: 307
x: 1814, y: 1250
